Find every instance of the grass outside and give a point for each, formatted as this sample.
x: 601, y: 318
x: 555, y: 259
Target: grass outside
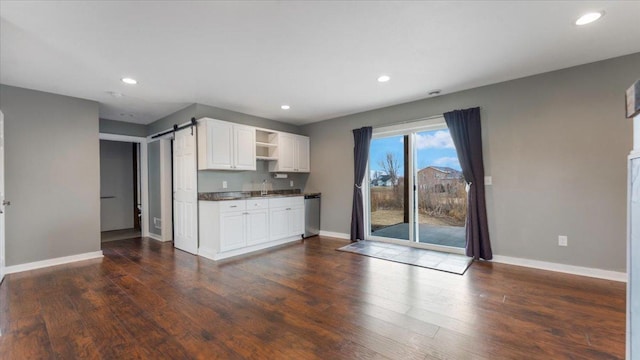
x: 388, y: 217
x: 387, y: 209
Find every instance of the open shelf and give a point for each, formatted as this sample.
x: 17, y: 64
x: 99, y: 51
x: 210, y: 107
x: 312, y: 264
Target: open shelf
x: 266, y: 145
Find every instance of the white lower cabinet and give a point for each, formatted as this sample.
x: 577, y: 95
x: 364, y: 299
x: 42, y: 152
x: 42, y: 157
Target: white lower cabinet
x: 286, y: 217
x: 257, y: 226
x: 296, y: 222
x: 232, y: 231
x: 279, y: 223
x: 230, y: 228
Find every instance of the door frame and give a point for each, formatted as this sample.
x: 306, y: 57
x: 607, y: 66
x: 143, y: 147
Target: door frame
x: 404, y: 128
x: 166, y: 186
x: 144, y: 173
x: 2, y: 218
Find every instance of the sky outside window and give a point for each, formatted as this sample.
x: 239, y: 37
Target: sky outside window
x: 435, y: 148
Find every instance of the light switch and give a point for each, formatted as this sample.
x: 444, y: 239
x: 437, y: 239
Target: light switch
x: 488, y: 180
x: 224, y: 184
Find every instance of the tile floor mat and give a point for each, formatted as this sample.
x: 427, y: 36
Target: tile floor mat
x: 452, y: 263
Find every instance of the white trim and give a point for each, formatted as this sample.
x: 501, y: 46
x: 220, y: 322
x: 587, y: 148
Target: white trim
x: 53, y: 262
x: 337, y: 235
x: 536, y: 264
x: 409, y: 129
x: 122, y: 138
x: 563, y: 268
x: 404, y: 128
x: 166, y: 190
x: 210, y: 254
x: 419, y: 245
x: 156, y: 237
x: 630, y: 245
x: 144, y: 186
x: 144, y: 174
x: 2, y: 192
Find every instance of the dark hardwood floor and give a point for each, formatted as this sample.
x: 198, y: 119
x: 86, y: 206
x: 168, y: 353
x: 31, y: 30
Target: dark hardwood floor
x: 303, y: 301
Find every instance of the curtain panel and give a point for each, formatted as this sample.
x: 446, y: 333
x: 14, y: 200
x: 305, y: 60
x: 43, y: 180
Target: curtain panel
x: 465, y: 129
x: 362, y: 141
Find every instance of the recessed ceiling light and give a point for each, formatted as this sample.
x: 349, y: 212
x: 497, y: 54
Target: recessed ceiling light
x: 589, y: 18
x: 129, y: 81
x: 384, y: 78
x: 285, y: 107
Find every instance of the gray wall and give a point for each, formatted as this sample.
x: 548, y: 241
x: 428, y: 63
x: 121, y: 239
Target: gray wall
x: 154, y: 185
x: 179, y: 117
x: 52, y: 175
x: 240, y: 118
x: 116, y: 185
x: 555, y: 145
x: 122, y: 128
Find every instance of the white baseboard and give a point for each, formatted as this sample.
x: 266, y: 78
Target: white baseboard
x: 536, y: 264
x: 563, y: 268
x: 52, y: 262
x: 156, y: 237
x: 335, y: 234
x: 211, y: 254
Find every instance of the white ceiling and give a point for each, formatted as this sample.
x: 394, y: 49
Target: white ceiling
x: 322, y: 58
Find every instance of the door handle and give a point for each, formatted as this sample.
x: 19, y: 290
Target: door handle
x: 6, y: 202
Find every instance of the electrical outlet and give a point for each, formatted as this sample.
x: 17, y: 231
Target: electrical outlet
x: 563, y: 240
x: 224, y: 184
x: 291, y: 183
x: 157, y: 223
x: 488, y: 180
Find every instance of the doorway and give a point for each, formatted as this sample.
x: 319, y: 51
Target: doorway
x: 120, y: 189
x: 415, y: 192
x: 173, y: 195
x: 123, y: 187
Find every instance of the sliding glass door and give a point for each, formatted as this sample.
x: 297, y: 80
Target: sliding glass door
x: 416, y: 192
x: 388, y: 203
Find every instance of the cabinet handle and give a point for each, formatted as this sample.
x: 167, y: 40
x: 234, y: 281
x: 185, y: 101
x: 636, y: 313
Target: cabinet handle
x: 233, y: 206
x: 288, y: 208
x: 245, y: 213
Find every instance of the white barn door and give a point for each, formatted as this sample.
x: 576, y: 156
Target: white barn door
x: 185, y: 191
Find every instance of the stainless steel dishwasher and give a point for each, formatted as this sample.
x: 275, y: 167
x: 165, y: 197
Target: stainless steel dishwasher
x: 311, y: 214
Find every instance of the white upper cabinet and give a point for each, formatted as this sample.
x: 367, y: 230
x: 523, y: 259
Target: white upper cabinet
x: 293, y: 154
x: 286, y: 150
x: 225, y: 146
x: 244, y: 147
x: 302, y: 154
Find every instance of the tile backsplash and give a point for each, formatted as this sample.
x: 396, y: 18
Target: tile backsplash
x: 211, y: 180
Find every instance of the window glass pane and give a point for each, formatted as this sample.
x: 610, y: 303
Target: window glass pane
x: 441, y: 196
x: 389, y: 213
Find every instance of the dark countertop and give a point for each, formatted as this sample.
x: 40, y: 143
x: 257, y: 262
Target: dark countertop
x: 240, y: 195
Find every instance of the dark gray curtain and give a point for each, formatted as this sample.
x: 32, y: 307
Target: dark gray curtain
x: 362, y: 140
x: 464, y: 126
